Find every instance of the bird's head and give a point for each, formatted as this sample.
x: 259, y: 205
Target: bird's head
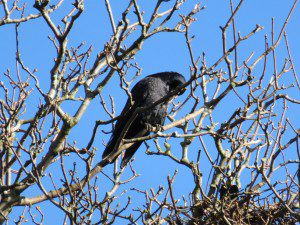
x: 175, y: 80
x: 172, y: 79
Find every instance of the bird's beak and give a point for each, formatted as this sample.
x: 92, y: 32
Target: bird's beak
x: 182, y: 91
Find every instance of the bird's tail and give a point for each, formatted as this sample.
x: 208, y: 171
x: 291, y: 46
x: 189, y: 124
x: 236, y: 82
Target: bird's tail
x: 110, y: 147
x: 113, y: 146
x: 129, y: 153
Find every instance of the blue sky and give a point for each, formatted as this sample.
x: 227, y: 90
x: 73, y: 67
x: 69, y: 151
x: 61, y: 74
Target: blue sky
x: 164, y: 52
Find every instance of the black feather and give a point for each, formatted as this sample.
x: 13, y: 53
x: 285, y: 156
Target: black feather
x: 146, y: 92
x: 232, y: 192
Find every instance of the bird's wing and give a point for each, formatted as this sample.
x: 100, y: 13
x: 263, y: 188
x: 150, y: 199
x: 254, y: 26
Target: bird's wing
x: 118, y: 129
x: 139, y: 94
x: 152, y: 90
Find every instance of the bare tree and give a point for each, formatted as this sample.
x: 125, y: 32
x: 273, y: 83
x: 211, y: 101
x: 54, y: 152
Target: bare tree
x: 254, y: 143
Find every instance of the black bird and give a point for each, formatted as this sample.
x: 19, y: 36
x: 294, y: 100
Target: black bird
x: 232, y: 192
x: 146, y: 92
x: 223, y: 191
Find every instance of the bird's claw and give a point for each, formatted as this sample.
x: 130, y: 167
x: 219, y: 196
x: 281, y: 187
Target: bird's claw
x: 156, y: 128
x: 149, y: 127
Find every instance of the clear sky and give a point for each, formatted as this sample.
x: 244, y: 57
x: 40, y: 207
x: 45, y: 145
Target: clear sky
x: 164, y: 52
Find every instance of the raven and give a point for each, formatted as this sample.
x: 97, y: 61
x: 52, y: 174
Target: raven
x: 146, y: 92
